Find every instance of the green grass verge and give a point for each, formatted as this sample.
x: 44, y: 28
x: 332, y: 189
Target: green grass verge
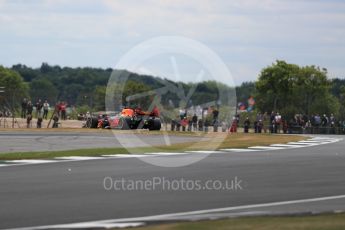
x: 217, y: 141
x: 320, y: 222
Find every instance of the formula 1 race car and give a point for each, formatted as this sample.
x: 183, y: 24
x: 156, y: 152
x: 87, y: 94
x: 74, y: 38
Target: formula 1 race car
x: 130, y: 118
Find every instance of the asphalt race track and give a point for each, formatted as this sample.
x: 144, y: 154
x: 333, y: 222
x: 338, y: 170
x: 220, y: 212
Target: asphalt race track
x: 58, y: 141
x: 300, y: 180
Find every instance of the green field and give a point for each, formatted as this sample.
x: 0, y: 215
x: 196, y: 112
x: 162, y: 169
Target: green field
x: 320, y: 222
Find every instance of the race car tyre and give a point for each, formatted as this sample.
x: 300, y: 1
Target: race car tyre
x: 154, y: 124
x: 92, y: 123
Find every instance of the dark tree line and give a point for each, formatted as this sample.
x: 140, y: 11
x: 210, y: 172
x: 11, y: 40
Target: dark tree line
x: 282, y: 87
x: 87, y: 86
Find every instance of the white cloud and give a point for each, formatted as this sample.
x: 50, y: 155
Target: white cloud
x: 247, y: 34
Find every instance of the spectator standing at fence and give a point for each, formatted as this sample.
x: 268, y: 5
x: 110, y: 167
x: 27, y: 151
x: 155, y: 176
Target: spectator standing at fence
x: 285, y: 126
x: 312, y: 120
x: 272, y: 122
x: 182, y: 114
x: 190, y: 124
x: 215, y: 114
x: 246, y: 125
x: 317, y: 123
x: 278, y: 120
x: 332, y: 120
x: 258, y: 123
x: 332, y: 124
x: 29, y: 108
x: 324, y: 121
x: 317, y: 120
x: 45, y: 109
x: 173, y: 125
x: 305, y: 119
x: 265, y: 122
x: 259, y: 126
x: 63, y: 106
x: 273, y: 126
x: 39, y: 106
x: 24, y: 108
x: 200, y: 125
x: 195, y: 122
x: 259, y: 116
x: 325, y: 124
x: 184, y: 123
x: 234, y: 124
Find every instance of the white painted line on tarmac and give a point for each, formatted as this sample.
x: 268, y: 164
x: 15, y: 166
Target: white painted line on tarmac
x: 266, y: 148
x: 32, y: 161
x: 167, y: 154
x: 76, y: 158
x: 286, y: 145
x: 87, y: 225
x: 324, y: 138
x: 182, y: 215
x: 240, y: 150
x: 326, y: 141
x: 303, y: 144
x: 203, y: 151
x: 125, y: 156
x: 311, y: 142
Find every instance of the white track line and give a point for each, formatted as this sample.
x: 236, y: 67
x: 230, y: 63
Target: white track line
x: 286, y: 145
x: 203, y: 151
x: 266, y: 148
x: 87, y: 225
x: 125, y: 156
x: 240, y: 150
x: 302, y: 144
x: 311, y: 142
x: 32, y: 161
x: 323, y: 138
x: 139, y: 220
x: 76, y: 158
x: 167, y: 154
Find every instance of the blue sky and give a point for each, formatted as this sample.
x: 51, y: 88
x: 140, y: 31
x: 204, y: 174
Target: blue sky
x: 247, y: 35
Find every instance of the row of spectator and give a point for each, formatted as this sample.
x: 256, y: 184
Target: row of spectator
x: 42, y: 109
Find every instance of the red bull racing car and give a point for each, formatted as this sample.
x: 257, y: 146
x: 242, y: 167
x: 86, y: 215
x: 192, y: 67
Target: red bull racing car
x: 131, y: 118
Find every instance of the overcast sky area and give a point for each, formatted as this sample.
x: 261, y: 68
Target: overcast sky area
x: 247, y: 35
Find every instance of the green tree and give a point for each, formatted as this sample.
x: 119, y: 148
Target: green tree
x: 275, y: 85
x: 131, y: 89
x: 291, y: 89
x: 14, y: 89
x: 43, y: 89
x: 73, y: 94
x: 99, y: 97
